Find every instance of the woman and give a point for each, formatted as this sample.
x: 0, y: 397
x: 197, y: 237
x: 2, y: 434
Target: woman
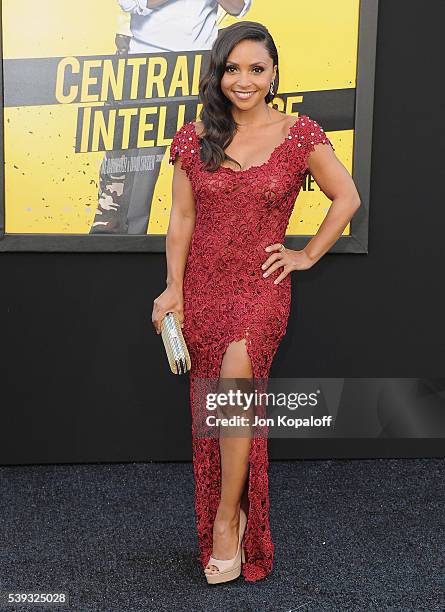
x: 237, y: 174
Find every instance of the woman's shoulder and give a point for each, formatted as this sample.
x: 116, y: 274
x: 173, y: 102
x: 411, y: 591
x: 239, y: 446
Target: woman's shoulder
x: 198, y: 127
x: 308, y: 122
x: 183, y: 143
x: 190, y: 129
x: 310, y: 133
x: 301, y: 121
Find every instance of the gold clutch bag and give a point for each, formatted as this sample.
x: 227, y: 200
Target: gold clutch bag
x: 175, y: 346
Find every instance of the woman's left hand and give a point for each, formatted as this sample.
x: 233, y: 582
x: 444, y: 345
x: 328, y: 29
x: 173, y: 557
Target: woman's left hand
x: 287, y: 259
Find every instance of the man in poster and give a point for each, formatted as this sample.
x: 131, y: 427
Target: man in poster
x: 156, y: 26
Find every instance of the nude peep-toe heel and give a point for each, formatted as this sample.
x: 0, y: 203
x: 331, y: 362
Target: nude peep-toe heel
x: 229, y: 569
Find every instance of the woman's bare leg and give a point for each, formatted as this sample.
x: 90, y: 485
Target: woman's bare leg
x: 234, y: 450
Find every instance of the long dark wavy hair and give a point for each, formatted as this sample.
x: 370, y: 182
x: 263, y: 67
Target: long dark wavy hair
x: 219, y: 125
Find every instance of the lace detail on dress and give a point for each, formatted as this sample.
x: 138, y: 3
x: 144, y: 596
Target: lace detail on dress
x: 182, y: 145
x: 226, y: 298
x: 310, y: 135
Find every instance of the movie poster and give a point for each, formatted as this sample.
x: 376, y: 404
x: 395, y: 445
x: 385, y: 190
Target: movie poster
x: 94, y: 92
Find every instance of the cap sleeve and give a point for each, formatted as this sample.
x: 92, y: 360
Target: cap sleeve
x: 312, y: 134
x: 184, y: 145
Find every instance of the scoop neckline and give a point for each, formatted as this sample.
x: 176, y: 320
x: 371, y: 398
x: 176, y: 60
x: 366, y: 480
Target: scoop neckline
x: 271, y: 155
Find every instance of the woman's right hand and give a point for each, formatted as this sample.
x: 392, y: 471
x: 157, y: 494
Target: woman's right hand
x: 170, y: 300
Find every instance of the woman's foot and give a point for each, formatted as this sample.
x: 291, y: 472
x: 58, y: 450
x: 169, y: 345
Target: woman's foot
x: 225, y: 538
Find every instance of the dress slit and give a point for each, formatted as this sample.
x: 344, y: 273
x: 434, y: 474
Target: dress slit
x: 258, y: 543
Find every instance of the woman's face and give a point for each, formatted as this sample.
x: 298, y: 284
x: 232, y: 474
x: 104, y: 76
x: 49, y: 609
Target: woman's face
x: 249, y: 70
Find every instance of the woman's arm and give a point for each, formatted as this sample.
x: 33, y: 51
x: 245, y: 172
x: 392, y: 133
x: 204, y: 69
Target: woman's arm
x: 178, y: 238
x: 335, y: 181
x: 181, y: 225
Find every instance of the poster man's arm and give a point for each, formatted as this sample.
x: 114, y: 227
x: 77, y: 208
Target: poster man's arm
x: 155, y: 3
x: 237, y: 8
x: 140, y: 7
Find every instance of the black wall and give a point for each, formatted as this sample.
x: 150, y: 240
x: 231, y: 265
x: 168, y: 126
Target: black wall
x: 84, y: 375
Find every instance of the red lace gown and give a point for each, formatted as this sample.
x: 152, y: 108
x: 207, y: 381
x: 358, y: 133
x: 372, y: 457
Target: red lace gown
x: 226, y: 298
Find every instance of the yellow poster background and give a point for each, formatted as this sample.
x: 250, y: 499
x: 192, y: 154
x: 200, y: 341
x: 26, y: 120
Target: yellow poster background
x: 51, y: 189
